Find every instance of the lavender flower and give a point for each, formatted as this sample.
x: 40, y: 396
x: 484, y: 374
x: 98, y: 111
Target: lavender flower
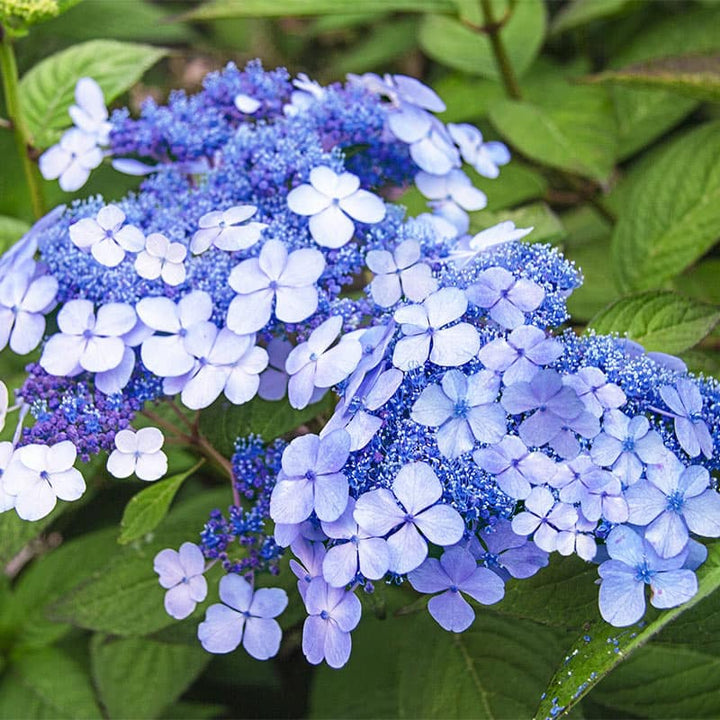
x: 181, y: 573
x: 456, y: 572
x: 245, y: 616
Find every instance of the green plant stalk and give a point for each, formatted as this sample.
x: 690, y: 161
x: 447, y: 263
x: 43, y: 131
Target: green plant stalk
x: 8, y: 70
x: 493, y: 28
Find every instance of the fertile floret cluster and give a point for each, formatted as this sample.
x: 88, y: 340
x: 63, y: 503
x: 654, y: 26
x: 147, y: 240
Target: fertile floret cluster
x: 472, y: 438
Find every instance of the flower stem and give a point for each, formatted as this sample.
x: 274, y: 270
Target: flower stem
x: 493, y: 28
x: 196, y: 440
x: 8, y: 70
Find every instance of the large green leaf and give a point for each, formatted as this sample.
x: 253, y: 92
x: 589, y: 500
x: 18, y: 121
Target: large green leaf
x: 696, y: 76
x: 146, y: 510
x: 517, y: 183
x: 47, y: 90
x: 410, y: 667
x: 224, y: 9
x: 659, y: 320
x: 467, y: 97
x: 50, y: 576
x: 48, y: 685
x: 124, y: 597
x: 222, y: 423
x: 560, y: 124
x: 672, y: 215
x: 122, y: 669
x: 644, y: 115
x: 602, y: 647
x: 451, y: 43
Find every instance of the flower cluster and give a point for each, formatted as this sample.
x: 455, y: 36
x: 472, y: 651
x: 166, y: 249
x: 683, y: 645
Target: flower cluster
x: 472, y: 437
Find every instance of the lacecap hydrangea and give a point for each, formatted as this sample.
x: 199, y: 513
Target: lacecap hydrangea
x: 471, y: 436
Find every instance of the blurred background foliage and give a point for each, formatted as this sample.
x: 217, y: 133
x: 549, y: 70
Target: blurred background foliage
x: 611, y: 109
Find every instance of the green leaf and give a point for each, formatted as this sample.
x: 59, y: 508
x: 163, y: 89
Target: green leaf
x: 583, y: 12
x: 706, y: 362
x: 559, y: 124
x: 222, y: 423
x: 124, y: 597
x: 17, y: 533
x: 546, y: 224
x: 671, y: 217
x: 467, y: 97
x: 122, y: 669
x: 453, y: 44
x: 644, y: 115
x: 410, y: 667
x: 224, y: 9
x: 46, y: 684
x: 146, y: 510
x: 590, y: 657
x: 701, y: 281
x: 50, y: 576
x: 385, y: 43
x: 563, y: 594
x: 696, y: 76
x: 517, y: 183
x: 11, y: 230
x: 47, y: 90
x: 659, y: 320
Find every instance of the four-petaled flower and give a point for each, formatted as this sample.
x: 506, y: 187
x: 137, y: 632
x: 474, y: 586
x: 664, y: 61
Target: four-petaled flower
x: 227, y: 230
x: 685, y: 403
x: 333, y: 201
x: 138, y: 452
x: 333, y: 614
x: 633, y: 565
x: 88, y: 341
x: 40, y: 474
x: 400, y: 273
x: 409, y: 514
x: 89, y: 112
x: 360, y: 551
x: 464, y: 411
x: 245, y: 617
x: 672, y: 501
x: 456, y: 572
x: 427, y: 335
x: 162, y: 259
x: 485, y: 157
x: 166, y: 355
x: 25, y: 297
x: 545, y: 517
x: 277, y: 278
x: 505, y: 297
x: 311, y: 479
x: 314, y: 364
x: 107, y: 237
x: 181, y: 574
x: 71, y: 160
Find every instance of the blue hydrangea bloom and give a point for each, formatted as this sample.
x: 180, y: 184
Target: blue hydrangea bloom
x: 633, y: 565
x: 456, y: 572
x: 463, y: 409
